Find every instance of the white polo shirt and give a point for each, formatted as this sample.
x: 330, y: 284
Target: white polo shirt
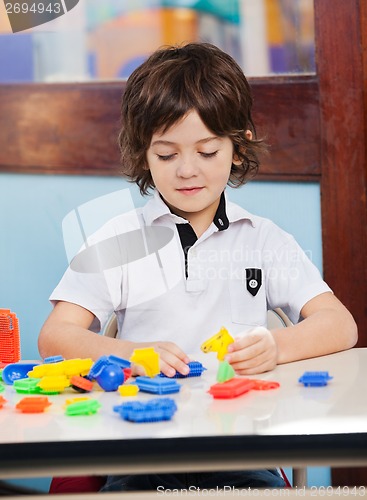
x: 233, y: 276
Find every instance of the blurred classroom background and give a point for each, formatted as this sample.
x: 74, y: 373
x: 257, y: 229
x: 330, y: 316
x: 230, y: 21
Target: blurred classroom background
x: 104, y: 40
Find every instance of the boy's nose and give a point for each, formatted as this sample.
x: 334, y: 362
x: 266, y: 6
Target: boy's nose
x: 187, y: 168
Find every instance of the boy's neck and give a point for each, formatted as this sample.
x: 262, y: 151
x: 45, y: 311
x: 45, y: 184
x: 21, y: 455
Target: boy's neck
x: 199, y: 221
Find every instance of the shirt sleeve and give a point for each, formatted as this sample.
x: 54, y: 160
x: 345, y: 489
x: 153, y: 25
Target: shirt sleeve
x: 89, y: 282
x: 291, y: 278
x: 93, y: 291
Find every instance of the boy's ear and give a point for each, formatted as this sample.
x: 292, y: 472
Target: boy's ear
x: 236, y: 160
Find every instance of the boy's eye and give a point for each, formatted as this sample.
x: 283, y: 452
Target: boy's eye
x: 165, y: 157
x: 209, y: 155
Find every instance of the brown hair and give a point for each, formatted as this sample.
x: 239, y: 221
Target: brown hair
x: 170, y: 83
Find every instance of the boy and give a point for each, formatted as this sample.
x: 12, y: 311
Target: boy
x: 187, y: 133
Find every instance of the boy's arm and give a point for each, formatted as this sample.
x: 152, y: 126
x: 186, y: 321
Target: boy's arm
x: 65, y: 332
x: 327, y: 327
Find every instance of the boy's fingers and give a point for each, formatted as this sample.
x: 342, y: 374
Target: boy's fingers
x: 251, y: 361
x: 172, y: 363
x: 173, y: 349
x: 245, y: 342
x: 169, y: 366
x: 261, y: 368
x: 167, y: 370
x: 137, y: 370
x: 244, y: 354
x: 249, y: 338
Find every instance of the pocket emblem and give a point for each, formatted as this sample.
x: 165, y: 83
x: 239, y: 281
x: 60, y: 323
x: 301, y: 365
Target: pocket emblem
x: 253, y: 280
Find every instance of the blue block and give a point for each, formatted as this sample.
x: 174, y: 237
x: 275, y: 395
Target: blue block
x: 16, y: 371
x: 97, y: 367
x: 53, y: 359
x: 104, y: 361
x: 157, y: 385
x: 124, y: 363
x: 196, y: 369
x: 315, y: 379
x: 155, y: 410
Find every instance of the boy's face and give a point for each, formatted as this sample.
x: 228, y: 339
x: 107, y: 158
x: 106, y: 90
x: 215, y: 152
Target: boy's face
x: 190, y: 167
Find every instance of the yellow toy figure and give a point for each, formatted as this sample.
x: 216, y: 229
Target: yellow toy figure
x: 218, y: 343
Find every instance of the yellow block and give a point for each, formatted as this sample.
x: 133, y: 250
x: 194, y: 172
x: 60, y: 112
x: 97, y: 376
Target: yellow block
x: 128, y: 390
x: 148, y: 358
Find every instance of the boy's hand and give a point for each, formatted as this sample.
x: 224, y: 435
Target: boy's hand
x: 171, y: 358
x: 254, y: 352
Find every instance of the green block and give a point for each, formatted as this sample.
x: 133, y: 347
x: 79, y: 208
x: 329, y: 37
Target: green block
x: 225, y: 372
x: 89, y: 407
x: 27, y: 385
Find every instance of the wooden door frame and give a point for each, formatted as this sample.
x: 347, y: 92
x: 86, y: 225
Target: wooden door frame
x: 341, y: 64
x: 341, y: 54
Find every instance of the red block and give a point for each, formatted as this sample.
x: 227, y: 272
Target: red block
x: 231, y: 388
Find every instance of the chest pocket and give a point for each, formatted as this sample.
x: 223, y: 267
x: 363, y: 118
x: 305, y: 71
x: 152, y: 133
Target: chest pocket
x: 248, y: 298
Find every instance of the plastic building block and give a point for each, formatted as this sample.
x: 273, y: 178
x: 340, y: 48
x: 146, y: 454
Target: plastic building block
x: 124, y: 363
x: 53, y: 384
x: 155, y: 410
x: 237, y: 386
x: 27, y: 386
x: 265, y: 385
x: 88, y: 407
x: 218, y: 343
x: 127, y: 373
x: 53, y: 359
x: 225, y: 372
x: 98, y: 366
x: 232, y: 388
x: 196, y: 369
x: 81, y: 384
x: 36, y: 404
x: 1, y: 374
x: 128, y: 390
x: 315, y: 379
x: 9, y: 337
x: 68, y: 368
x: 2, y: 401
x: 2, y: 387
x: 16, y: 371
x: 110, y: 372
x: 43, y: 370
x: 110, y: 377
x: 104, y: 361
x: 76, y: 400
x: 76, y: 366
x: 158, y: 385
x: 148, y: 358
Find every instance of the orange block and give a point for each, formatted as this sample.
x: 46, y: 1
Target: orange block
x: 9, y: 337
x: 36, y: 404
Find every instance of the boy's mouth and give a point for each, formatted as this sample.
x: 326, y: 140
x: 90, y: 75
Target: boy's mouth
x: 190, y: 190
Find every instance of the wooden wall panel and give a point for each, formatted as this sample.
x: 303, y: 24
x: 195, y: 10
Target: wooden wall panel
x: 72, y: 128
x: 342, y: 63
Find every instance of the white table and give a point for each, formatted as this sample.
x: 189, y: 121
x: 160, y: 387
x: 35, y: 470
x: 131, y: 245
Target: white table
x: 290, y: 426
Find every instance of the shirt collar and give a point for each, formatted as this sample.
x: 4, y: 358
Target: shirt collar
x: 227, y: 211
x: 236, y: 212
